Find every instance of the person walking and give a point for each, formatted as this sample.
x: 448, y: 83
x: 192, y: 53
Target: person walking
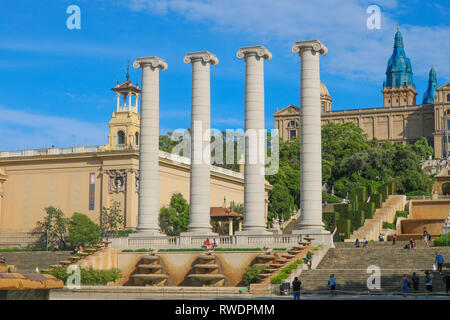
x: 425, y: 238
x: 332, y: 285
x: 428, y: 282
x: 309, y: 260
x: 405, y: 285
x: 446, y: 279
x: 394, y: 239
x: 2, y: 260
x: 357, y: 243
x: 365, y: 242
x: 439, y: 261
x: 296, y: 284
x: 415, y: 283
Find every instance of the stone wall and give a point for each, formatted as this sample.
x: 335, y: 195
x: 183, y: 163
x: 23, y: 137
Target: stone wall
x: 429, y: 209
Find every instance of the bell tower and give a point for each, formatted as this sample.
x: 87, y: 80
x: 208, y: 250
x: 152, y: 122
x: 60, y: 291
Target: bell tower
x: 124, y: 126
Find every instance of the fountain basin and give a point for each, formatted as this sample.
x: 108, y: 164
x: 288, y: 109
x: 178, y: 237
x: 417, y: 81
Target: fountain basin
x: 149, y: 268
x: 147, y: 259
x: 206, y: 268
x: 206, y: 280
x: 206, y: 259
x: 150, y: 279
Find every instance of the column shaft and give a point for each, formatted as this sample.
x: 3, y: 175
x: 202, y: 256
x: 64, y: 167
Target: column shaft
x: 254, y: 173
x: 200, y: 164
x: 310, y: 150
x: 148, y: 212
x: 199, y: 213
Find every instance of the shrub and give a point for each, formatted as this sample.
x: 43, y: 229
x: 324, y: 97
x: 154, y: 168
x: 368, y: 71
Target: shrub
x: 285, y: 272
x: 124, y: 233
x: 88, y: 276
x: 251, y: 274
x: 441, y: 241
x: 330, y: 198
x: 83, y: 230
x: 388, y: 225
x: 403, y: 214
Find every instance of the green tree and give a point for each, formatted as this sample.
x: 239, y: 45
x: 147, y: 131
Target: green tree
x: 83, y: 230
x: 111, y: 219
x: 239, y: 208
x: 54, y: 226
x: 175, y: 218
x: 281, y: 202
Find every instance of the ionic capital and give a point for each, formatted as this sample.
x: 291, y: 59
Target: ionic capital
x: 205, y: 56
x: 314, y: 45
x: 154, y: 62
x: 259, y: 51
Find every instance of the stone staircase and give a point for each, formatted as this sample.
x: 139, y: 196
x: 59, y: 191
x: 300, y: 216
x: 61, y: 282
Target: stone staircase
x: 349, y: 265
x: 373, y: 227
x: 26, y: 262
x: 292, y: 225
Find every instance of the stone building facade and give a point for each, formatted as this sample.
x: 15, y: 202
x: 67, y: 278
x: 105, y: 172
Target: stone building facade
x: 400, y: 120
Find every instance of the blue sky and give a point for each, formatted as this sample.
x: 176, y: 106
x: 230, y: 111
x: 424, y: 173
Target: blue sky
x: 55, y: 82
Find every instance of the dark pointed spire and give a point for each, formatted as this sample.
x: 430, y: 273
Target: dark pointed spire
x: 398, y: 41
x: 430, y: 94
x: 128, y: 70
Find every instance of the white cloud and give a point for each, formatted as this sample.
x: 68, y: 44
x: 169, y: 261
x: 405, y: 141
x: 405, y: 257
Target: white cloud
x: 25, y: 130
x: 354, y: 51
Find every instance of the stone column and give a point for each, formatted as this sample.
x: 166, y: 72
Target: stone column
x: 310, y: 144
x: 148, y: 212
x: 230, y: 226
x: 199, y: 214
x: 254, y: 181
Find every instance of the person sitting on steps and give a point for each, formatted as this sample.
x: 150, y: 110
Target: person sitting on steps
x: 206, y: 244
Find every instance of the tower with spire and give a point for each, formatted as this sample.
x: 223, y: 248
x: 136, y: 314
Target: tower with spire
x: 430, y: 94
x: 398, y: 87
x: 125, y: 122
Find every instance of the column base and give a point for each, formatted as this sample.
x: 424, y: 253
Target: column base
x: 253, y: 232
x: 146, y: 233
x: 198, y: 234
x: 321, y: 236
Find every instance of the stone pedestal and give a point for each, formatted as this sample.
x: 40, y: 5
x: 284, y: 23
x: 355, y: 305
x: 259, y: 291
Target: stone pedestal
x: 199, y: 214
x: 310, y: 223
x: 254, y: 172
x: 148, y: 212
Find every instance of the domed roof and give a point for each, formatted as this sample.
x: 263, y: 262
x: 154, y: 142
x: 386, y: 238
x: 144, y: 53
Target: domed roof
x: 323, y: 90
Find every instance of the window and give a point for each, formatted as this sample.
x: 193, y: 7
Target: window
x: 293, y: 124
x: 120, y: 138
x: 448, y: 97
x: 292, y: 134
x: 322, y: 104
x: 136, y: 139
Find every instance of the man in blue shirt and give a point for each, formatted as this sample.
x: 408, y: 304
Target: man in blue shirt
x: 439, y: 261
x: 332, y: 284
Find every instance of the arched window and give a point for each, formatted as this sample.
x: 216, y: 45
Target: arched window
x: 136, y: 139
x: 120, y: 138
x: 293, y: 124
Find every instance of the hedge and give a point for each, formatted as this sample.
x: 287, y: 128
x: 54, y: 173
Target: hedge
x: 442, y: 241
x: 87, y: 276
x: 285, y: 272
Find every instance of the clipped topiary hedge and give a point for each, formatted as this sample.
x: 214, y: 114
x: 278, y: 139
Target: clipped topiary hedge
x: 442, y: 241
x: 286, y: 272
